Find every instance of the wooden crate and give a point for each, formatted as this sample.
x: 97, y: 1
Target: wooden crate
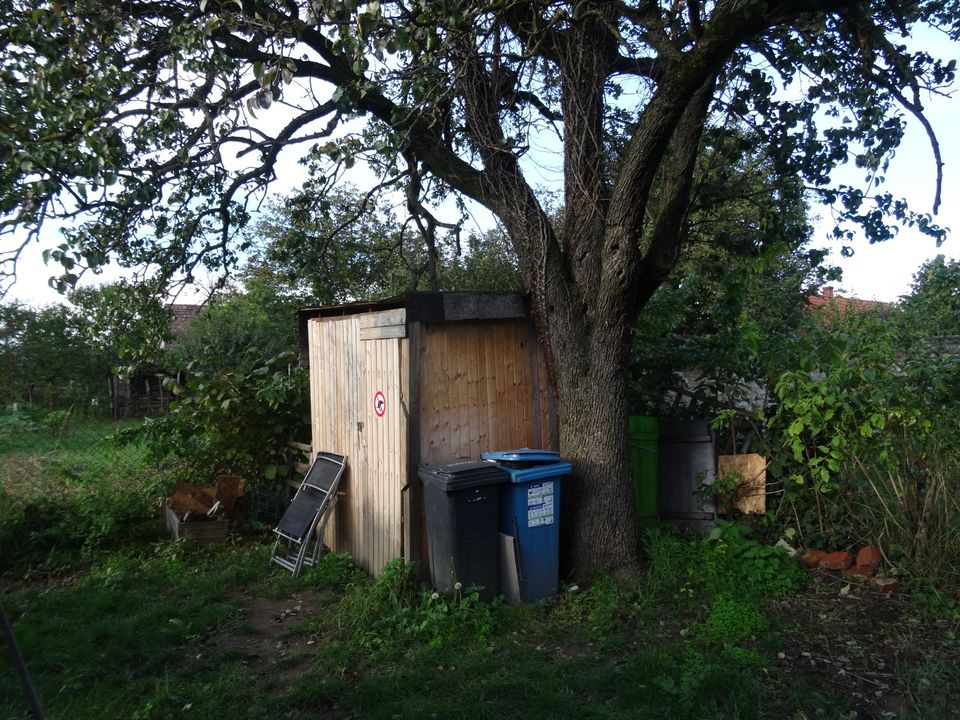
x: 750, y: 495
x: 201, y: 531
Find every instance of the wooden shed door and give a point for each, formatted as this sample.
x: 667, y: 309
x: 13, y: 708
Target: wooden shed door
x: 356, y: 410
x: 383, y: 438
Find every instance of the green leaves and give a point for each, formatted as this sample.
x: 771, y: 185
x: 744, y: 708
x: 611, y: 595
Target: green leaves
x: 870, y: 392
x: 233, y: 421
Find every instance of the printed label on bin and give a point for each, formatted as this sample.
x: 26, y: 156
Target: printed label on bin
x: 540, y: 504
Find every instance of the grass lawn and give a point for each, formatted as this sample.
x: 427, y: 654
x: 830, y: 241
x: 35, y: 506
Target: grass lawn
x: 69, y: 494
x: 214, y: 633
x: 115, y: 625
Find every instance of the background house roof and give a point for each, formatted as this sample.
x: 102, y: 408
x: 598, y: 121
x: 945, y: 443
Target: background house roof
x: 842, y: 304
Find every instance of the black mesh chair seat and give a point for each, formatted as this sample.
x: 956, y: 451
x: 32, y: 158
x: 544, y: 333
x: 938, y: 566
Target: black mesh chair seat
x: 307, y: 515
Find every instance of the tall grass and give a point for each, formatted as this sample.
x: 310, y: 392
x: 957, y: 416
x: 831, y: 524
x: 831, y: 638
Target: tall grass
x: 910, y: 502
x: 67, y: 492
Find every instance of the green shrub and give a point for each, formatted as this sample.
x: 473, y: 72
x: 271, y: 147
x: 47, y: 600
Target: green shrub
x: 735, y: 565
x: 864, y: 440
x: 226, y: 421
x: 723, y: 580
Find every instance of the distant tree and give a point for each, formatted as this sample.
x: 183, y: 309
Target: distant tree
x: 488, y: 262
x: 46, y: 359
x: 336, y: 247
x: 933, y: 305
x: 239, y: 330
x: 342, y: 246
x: 125, y: 322
x: 737, y: 296
x: 928, y: 320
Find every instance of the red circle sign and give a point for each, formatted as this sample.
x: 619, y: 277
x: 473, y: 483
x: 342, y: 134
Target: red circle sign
x: 379, y: 404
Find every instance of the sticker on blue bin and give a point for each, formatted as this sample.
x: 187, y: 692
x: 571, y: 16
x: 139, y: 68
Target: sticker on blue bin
x: 540, y: 504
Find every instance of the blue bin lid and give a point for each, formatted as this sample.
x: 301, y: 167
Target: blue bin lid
x: 524, y: 455
x: 539, y: 472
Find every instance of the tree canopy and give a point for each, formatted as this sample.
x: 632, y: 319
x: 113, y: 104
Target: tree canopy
x: 737, y: 296
x: 156, y: 125
x: 329, y: 247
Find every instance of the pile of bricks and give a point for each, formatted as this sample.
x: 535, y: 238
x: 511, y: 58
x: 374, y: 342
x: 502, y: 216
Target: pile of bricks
x: 862, y: 566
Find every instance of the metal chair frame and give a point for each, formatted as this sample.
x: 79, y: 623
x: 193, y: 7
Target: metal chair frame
x: 304, y: 522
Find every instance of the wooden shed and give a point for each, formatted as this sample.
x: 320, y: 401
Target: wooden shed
x: 422, y: 378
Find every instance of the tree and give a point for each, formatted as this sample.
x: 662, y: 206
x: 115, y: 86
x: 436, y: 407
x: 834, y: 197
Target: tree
x: 126, y: 323
x: 738, y: 293
x: 487, y: 263
x: 933, y: 306
x: 328, y: 247
x: 148, y: 118
x: 239, y: 331
x: 46, y: 359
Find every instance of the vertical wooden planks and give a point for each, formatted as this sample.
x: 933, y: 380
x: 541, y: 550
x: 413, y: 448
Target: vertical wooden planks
x: 377, y: 536
x: 449, y: 389
x: 480, y: 389
x: 477, y: 433
x: 334, y: 388
x: 434, y: 401
x: 411, y: 367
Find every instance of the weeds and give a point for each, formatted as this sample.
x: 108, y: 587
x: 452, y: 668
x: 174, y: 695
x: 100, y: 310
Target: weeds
x: 160, y: 633
x: 723, y: 581
x: 392, y: 611
x: 732, y: 620
x: 64, y: 501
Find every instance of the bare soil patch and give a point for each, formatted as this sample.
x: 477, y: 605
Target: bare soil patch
x: 865, y: 646
x: 271, y: 641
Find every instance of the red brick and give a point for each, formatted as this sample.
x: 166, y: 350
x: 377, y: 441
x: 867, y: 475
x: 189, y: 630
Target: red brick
x: 836, y: 561
x: 811, y: 558
x: 885, y: 584
x: 869, y: 555
x: 859, y: 572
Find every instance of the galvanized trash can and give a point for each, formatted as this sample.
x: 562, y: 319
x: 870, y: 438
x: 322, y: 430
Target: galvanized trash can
x: 688, y: 461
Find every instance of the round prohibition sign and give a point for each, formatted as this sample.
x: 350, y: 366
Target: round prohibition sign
x: 379, y: 404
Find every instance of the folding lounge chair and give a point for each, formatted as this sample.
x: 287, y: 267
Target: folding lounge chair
x: 306, y: 518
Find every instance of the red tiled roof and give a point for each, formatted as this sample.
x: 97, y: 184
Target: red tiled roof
x: 842, y: 304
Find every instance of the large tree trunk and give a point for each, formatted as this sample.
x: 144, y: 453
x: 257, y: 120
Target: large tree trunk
x: 598, y: 516
x: 587, y: 287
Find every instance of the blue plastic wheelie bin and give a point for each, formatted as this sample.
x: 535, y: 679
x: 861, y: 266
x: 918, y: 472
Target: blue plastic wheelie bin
x: 529, y: 522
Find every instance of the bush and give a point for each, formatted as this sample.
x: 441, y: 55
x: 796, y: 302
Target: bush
x: 866, y: 429
x: 731, y: 563
x: 235, y: 422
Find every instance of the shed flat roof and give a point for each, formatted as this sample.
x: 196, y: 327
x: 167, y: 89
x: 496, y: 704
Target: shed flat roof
x: 428, y: 307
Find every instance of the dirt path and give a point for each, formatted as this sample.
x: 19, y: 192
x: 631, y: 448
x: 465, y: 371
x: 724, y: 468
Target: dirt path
x: 871, y: 648
x: 272, y: 640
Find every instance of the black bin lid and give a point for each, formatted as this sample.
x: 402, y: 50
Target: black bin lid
x: 462, y: 475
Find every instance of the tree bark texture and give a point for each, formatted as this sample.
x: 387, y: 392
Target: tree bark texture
x: 597, y: 515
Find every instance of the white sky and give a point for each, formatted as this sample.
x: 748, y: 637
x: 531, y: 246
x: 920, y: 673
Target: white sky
x: 878, y: 272
x: 884, y: 271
